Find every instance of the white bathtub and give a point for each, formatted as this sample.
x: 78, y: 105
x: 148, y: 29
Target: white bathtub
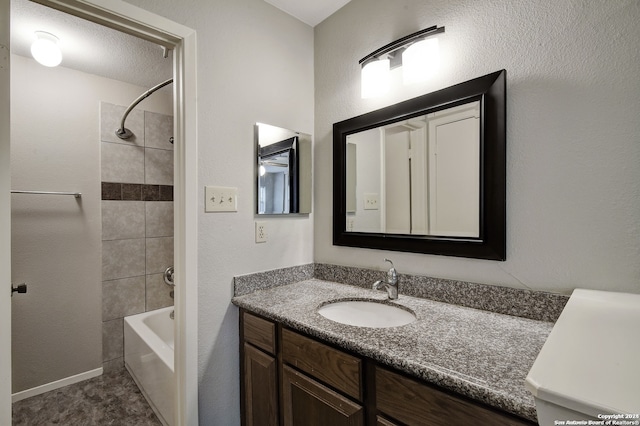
x: 148, y: 355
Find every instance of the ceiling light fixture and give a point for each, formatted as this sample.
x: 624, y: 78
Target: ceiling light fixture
x: 418, y: 54
x: 45, y: 49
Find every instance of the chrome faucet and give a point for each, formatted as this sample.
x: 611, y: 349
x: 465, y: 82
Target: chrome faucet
x: 391, y: 285
x: 169, y: 275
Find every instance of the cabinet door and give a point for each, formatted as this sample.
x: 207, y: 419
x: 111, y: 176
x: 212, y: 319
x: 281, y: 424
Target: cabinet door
x: 260, y: 388
x: 308, y: 403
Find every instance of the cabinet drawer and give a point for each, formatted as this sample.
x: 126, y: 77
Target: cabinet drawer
x: 412, y: 402
x: 329, y: 365
x: 259, y: 332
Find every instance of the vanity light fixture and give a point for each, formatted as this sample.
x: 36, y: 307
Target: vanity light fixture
x: 45, y: 49
x: 417, y: 54
x: 375, y: 78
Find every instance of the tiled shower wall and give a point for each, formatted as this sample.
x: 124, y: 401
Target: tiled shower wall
x: 137, y: 220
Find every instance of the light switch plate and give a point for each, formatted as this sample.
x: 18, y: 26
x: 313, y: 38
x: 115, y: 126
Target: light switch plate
x: 220, y: 199
x: 371, y: 201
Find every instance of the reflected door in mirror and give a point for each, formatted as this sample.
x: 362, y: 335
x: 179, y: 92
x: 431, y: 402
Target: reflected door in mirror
x: 283, y: 169
x: 419, y: 176
x: 454, y: 171
x: 277, y: 178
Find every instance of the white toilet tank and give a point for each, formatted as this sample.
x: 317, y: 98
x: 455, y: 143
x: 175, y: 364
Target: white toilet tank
x: 588, y: 371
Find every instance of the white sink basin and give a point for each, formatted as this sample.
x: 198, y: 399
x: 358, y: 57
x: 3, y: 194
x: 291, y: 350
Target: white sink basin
x: 365, y: 313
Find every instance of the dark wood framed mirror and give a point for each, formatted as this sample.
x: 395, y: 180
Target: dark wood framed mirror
x: 427, y: 175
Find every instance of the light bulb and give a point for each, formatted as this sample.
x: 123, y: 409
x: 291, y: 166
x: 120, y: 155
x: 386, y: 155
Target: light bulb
x: 420, y: 61
x: 375, y: 78
x: 45, y: 49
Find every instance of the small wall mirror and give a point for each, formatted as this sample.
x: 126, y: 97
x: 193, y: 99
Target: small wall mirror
x: 426, y: 175
x: 283, y: 170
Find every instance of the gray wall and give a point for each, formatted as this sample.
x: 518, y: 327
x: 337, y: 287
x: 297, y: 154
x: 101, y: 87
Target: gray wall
x: 573, y: 137
x: 137, y: 219
x: 56, y: 241
x: 254, y: 64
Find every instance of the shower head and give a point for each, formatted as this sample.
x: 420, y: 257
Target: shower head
x: 123, y: 132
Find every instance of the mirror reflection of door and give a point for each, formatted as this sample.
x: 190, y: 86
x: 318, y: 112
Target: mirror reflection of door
x: 273, y: 181
x: 283, y: 168
x: 454, y: 171
x: 419, y: 176
x: 404, y: 179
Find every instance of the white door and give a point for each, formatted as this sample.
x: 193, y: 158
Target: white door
x: 419, y: 179
x: 405, y: 177
x: 397, y: 181
x: 5, y: 222
x: 454, y: 171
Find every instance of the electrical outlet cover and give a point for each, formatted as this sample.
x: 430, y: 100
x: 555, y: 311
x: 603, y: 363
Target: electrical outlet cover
x: 261, y: 232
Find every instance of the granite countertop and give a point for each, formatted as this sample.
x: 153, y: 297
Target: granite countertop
x: 483, y: 355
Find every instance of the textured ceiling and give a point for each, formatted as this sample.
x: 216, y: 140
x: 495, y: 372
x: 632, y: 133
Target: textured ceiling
x: 90, y: 47
x: 311, y: 12
x: 99, y: 50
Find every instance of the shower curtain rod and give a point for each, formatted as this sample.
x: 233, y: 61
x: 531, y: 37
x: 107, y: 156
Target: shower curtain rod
x: 124, y: 133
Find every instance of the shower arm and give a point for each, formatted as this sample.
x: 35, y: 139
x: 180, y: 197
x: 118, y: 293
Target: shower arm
x: 124, y: 133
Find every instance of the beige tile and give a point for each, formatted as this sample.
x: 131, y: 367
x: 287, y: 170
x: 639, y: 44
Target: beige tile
x: 110, y: 120
x: 123, y: 258
x: 122, y: 163
x: 158, y: 128
x: 158, y: 167
x: 123, y: 220
x: 159, y: 254
x: 158, y: 292
x: 159, y: 218
x: 124, y: 297
x: 112, y: 339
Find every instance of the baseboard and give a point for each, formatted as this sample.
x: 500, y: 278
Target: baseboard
x: 18, y: 396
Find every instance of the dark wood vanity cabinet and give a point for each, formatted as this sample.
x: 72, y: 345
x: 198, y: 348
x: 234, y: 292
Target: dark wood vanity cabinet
x: 289, y: 379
